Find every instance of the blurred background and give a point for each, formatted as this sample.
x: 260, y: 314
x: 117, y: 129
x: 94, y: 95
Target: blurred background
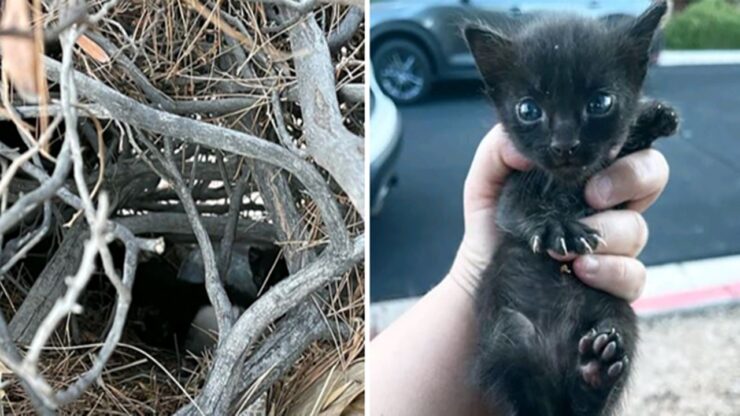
x: 428, y: 115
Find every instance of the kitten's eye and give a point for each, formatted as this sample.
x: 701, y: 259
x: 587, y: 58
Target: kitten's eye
x: 600, y: 104
x: 528, y: 111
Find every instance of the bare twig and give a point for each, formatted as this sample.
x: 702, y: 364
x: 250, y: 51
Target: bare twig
x: 353, y: 92
x: 139, y: 115
x: 114, y: 334
x: 47, y: 189
x: 225, y: 371
x: 69, y: 100
x: 249, y: 164
x: 227, y: 241
x: 282, y: 348
x: 346, y: 28
x: 214, y: 286
x: 28, y: 368
x: 29, y: 241
x: 9, y: 353
x: 48, y: 286
x: 34, y: 111
x: 282, y: 131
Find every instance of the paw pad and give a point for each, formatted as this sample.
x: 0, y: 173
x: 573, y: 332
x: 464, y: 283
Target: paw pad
x: 602, y: 359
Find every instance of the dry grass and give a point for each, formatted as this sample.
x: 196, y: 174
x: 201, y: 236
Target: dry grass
x: 141, y: 380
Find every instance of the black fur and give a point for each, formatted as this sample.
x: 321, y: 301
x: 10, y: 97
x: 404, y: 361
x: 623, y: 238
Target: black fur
x: 550, y: 345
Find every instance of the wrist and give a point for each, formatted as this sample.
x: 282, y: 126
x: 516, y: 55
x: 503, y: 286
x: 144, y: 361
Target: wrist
x: 467, y: 268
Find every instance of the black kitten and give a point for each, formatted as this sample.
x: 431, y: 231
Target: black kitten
x: 567, y: 91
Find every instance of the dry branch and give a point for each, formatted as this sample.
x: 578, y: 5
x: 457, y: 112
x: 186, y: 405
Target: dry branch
x: 138, y: 115
x: 223, y: 379
x: 197, y: 122
x: 334, y: 147
x: 48, y: 287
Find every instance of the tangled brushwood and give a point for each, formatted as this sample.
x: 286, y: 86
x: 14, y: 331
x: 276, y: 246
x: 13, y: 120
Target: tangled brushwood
x: 165, y: 161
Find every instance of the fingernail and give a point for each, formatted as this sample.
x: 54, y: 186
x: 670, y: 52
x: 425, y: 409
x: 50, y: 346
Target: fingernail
x: 589, y: 266
x: 604, y: 188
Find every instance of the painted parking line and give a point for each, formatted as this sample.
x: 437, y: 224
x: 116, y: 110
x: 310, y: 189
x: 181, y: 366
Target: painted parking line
x: 669, y: 289
x: 688, y: 300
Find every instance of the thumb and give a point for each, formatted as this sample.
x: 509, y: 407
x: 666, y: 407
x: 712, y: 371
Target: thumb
x: 495, y: 158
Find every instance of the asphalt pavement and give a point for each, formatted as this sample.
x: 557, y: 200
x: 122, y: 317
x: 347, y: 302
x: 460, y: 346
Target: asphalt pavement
x: 413, y: 240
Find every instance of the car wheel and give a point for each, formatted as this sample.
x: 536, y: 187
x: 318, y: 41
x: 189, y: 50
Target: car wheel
x: 402, y: 70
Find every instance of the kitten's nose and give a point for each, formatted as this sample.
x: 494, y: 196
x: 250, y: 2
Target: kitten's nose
x: 564, y: 148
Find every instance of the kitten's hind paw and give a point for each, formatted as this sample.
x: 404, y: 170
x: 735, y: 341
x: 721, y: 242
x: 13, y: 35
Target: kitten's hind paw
x: 565, y: 237
x: 601, y: 358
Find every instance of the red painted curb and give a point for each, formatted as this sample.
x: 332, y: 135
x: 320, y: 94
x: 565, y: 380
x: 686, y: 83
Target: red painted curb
x: 684, y: 300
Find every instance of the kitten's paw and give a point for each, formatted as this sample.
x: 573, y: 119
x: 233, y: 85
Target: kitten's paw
x: 565, y: 237
x: 601, y: 358
x: 661, y: 119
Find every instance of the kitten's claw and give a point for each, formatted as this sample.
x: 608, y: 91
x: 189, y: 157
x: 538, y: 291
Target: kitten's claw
x: 536, y: 241
x: 563, y: 246
x: 600, y: 240
x: 585, y: 244
x: 563, y: 237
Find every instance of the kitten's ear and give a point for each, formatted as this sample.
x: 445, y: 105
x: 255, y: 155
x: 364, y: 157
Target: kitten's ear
x: 493, y: 53
x: 645, y: 24
x: 639, y: 35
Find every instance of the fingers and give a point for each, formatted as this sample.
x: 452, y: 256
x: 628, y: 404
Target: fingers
x: 637, y: 179
x: 613, y: 268
x: 621, y: 276
x: 622, y: 232
x: 625, y: 232
x: 494, y: 159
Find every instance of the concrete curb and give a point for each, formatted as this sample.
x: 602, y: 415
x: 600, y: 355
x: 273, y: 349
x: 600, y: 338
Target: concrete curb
x: 670, y: 288
x: 699, y: 57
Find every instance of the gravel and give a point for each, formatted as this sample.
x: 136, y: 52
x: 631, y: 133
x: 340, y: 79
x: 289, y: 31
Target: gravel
x: 688, y: 365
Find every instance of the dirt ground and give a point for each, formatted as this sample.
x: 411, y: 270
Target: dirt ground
x: 688, y: 365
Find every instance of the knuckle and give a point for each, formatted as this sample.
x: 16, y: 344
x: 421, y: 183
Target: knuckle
x: 660, y: 163
x: 640, y: 235
x: 619, y: 266
x: 640, y: 274
x: 639, y: 172
x: 649, y: 170
x: 621, y: 269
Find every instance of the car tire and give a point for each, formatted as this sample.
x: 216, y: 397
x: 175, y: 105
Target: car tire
x: 403, y: 71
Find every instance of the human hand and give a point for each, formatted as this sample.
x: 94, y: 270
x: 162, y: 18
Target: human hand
x: 637, y: 179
